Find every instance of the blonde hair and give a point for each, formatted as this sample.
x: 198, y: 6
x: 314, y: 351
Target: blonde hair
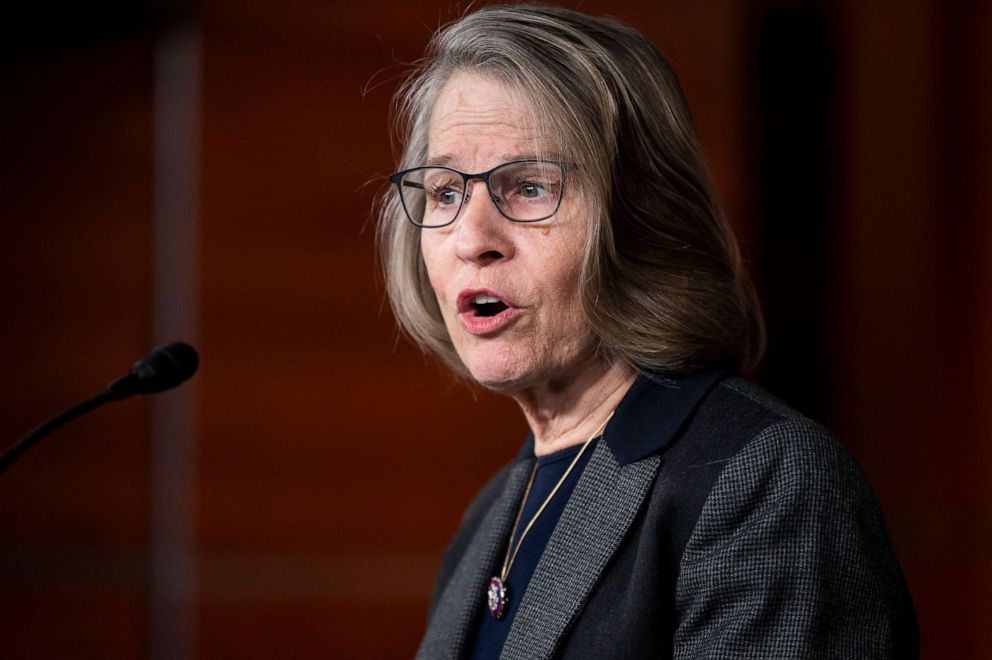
x: 662, y: 285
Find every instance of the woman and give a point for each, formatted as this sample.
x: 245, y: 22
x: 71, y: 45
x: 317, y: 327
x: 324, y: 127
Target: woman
x: 553, y: 235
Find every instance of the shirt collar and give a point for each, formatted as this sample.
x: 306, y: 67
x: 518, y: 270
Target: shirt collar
x: 651, y: 414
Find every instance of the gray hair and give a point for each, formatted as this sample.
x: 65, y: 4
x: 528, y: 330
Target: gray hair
x: 662, y: 283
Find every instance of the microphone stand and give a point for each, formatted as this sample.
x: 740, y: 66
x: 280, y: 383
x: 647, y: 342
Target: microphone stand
x: 162, y: 369
x: 55, y: 422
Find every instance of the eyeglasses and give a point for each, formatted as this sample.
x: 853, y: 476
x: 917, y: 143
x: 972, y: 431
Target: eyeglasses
x: 522, y: 190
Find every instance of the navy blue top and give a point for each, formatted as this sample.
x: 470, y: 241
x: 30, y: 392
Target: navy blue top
x: 490, y: 633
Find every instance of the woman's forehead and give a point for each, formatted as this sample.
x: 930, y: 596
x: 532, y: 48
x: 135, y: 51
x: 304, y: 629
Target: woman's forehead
x: 471, y: 97
x: 478, y: 118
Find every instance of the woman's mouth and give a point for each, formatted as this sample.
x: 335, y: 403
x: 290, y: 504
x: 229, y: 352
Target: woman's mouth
x: 484, y: 312
x: 484, y: 305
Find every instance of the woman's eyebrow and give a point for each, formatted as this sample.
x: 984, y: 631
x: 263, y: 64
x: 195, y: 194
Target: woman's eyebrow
x: 446, y: 160
x: 442, y: 159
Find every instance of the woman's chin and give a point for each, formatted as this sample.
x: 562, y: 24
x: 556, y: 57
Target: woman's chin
x: 501, y: 383
x: 499, y: 376
x: 509, y: 369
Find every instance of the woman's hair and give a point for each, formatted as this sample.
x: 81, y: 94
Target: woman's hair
x: 662, y: 284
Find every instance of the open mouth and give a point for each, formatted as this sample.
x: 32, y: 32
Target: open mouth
x: 484, y: 305
x: 481, y: 312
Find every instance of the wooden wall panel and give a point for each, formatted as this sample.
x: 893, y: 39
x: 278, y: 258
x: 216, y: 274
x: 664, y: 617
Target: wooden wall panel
x: 912, y: 321
x: 75, y: 175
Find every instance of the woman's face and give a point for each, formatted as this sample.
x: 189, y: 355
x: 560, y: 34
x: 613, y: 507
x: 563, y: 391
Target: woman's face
x: 536, y: 333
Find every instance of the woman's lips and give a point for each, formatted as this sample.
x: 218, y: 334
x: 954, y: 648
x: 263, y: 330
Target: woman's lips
x: 473, y: 321
x: 484, y: 325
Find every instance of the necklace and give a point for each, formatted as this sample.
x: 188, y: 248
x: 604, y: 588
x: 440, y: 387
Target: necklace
x: 497, y: 595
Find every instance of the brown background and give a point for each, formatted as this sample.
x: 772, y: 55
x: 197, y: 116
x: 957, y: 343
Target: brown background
x: 328, y: 461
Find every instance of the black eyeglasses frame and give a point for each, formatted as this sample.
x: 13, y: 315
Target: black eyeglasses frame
x: 397, y: 179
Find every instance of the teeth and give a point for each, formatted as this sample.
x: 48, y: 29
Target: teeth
x: 482, y: 299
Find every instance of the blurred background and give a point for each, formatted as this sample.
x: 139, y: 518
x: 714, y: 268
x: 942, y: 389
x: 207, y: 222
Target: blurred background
x: 206, y: 171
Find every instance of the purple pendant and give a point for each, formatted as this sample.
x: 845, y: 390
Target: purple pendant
x: 497, y: 598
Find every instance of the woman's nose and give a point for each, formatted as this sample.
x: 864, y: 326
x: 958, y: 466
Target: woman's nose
x: 483, y: 234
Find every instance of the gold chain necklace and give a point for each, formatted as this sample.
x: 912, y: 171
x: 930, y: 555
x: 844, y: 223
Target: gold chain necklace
x: 497, y: 595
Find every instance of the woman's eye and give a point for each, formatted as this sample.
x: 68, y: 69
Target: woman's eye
x: 530, y: 190
x: 444, y: 196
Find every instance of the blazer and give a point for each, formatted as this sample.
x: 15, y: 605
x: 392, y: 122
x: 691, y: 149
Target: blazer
x: 711, y: 521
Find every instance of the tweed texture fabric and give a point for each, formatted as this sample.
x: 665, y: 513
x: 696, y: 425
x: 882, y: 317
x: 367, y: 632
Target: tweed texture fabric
x: 786, y: 559
x: 593, y: 524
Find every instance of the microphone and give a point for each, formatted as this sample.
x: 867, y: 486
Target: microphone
x: 162, y: 369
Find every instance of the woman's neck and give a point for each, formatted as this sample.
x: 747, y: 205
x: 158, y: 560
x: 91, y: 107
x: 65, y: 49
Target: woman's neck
x: 570, y: 411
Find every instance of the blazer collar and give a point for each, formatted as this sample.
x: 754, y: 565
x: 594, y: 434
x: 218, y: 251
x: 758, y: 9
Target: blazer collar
x: 651, y: 414
x: 603, y: 506
x: 596, y: 518
x: 464, y: 597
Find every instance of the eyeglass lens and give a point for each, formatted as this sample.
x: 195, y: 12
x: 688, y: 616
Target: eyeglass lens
x: 526, y: 191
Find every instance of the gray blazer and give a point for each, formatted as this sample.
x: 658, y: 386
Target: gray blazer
x: 711, y: 522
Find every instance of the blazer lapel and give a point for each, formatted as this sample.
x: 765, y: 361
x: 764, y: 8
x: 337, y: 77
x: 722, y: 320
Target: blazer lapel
x: 464, y: 597
x: 595, y: 520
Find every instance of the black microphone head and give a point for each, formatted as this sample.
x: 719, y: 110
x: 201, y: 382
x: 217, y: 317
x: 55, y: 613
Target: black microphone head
x: 165, y: 367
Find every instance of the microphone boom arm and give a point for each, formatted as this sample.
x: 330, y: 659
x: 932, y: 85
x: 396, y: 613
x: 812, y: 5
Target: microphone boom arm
x: 162, y: 369
x: 44, y: 429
